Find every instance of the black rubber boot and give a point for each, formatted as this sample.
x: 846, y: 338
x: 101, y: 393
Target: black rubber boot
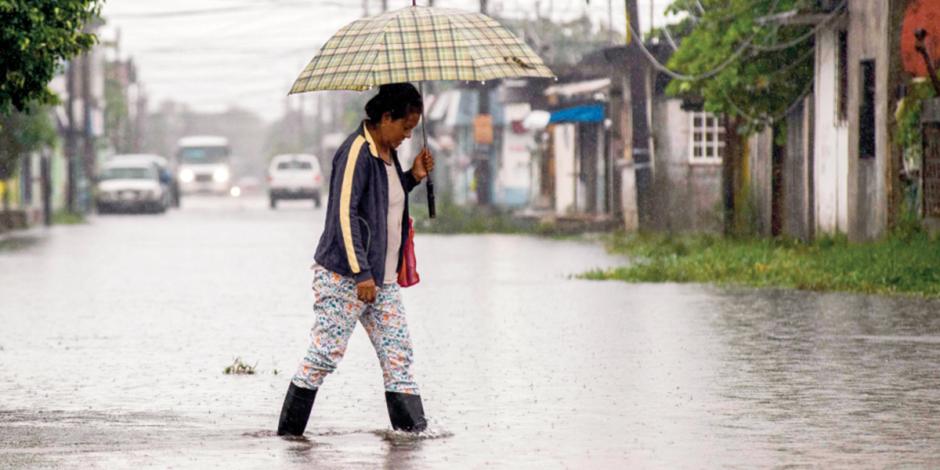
x: 296, y: 411
x: 406, y: 412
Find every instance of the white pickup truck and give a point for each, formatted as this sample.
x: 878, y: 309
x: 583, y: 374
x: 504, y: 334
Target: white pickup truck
x: 294, y: 176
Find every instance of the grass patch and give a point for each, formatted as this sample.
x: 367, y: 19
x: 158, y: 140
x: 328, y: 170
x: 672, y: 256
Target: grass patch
x: 453, y: 219
x: 904, y: 263
x: 17, y: 243
x: 67, y: 218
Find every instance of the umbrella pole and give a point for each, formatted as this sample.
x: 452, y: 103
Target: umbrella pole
x: 432, y: 213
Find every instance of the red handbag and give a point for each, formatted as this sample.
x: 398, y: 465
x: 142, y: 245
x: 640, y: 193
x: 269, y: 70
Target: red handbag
x: 408, y: 274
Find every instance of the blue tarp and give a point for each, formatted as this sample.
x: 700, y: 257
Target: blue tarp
x: 584, y: 113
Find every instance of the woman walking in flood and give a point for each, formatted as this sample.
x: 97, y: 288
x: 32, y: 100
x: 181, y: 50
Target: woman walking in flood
x: 358, y: 258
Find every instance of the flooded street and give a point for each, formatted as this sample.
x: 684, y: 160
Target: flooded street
x: 114, y: 336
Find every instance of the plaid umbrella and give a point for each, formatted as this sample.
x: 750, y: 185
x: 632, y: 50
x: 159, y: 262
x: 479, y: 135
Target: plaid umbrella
x: 414, y: 44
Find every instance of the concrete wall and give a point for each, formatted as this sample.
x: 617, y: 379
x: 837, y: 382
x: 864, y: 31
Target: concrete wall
x: 867, y: 195
x: 564, y: 146
x: 854, y: 195
x: 831, y: 140
x: 685, y: 197
x: 758, y: 197
x: 797, y: 172
x: 514, y: 162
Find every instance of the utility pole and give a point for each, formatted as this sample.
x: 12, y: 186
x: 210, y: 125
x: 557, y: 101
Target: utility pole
x: 610, y: 21
x: 300, y: 124
x: 45, y: 177
x: 365, y: 7
x: 384, y: 6
x: 484, y: 150
x: 319, y: 120
x: 71, y: 154
x: 88, y: 137
x: 634, y: 128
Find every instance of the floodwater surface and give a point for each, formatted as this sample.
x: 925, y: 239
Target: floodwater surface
x: 114, y: 336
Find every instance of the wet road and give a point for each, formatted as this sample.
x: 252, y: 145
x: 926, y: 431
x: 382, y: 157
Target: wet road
x: 114, y: 336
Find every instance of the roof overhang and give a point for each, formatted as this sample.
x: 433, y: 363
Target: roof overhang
x: 586, y: 87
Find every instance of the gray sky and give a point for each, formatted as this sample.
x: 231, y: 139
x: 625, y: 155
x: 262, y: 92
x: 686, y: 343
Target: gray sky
x: 214, y: 54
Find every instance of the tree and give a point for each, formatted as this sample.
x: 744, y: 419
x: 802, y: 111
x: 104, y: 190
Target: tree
x: 747, y: 66
x: 22, y: 133
x: 743, y: 65
x: 35, y: 37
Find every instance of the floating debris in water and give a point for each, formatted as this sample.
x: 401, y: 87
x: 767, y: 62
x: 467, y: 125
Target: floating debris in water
x: 238, y: 367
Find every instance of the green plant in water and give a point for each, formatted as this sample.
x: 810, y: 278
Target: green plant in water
x: 906, y: 262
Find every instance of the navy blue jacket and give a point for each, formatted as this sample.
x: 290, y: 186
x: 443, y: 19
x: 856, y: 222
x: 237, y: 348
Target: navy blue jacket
x: 355, y: 237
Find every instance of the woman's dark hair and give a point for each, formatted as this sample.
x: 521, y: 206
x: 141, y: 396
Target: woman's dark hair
x: 399, y: 99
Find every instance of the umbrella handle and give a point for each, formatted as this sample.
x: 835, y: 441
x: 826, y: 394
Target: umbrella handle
x: 432, y: 212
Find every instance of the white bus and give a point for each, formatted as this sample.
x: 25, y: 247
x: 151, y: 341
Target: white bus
x: 203, y: 164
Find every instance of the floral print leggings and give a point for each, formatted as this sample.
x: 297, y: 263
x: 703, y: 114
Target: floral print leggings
x: 337, y: 310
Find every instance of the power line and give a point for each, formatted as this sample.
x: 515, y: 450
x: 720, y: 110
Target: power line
x: 772, y: 119
x: 734, y: 56
x: 809, y: 34
x: 181, y: 13
x: 680, y: 76
x: 255, y: 6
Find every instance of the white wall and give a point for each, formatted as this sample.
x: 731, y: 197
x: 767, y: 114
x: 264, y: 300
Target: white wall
x: 513, y: 178
x: 563, y: 140
x: 831, y: 146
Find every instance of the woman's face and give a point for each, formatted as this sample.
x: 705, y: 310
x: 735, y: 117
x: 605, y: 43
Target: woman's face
x: 394, y: 131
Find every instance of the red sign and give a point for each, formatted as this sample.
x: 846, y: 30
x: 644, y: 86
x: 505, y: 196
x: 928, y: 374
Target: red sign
x: 920, y: 14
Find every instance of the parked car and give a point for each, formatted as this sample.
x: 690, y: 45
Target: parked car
x: 167, y: 175
x: 131, y: 185
x: 294, y: 176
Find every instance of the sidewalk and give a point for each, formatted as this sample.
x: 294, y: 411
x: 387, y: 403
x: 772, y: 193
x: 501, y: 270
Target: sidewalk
x: 19, y: 223
x: 31, y: 232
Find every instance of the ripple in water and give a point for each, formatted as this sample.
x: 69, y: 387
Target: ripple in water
x: 403, y: 437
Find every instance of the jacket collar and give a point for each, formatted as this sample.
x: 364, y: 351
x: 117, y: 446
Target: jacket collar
x: 373, y: 148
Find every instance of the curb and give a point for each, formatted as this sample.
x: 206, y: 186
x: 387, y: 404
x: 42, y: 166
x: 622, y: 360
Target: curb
x: 23, y: 233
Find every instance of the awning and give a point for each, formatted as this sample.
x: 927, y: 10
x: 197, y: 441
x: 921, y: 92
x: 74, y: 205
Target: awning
x: 588, y: 87
x: 584, y: 113
x: 536, y: 120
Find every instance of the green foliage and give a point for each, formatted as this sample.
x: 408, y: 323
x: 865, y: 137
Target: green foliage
x: 907, y: 116
x: 759, y: 85
x: 67, y: 218
x: 35, y: 37
x: 908, y: 112
x: 677, y: 31
x: 907, y: 263
x: 21, y: 133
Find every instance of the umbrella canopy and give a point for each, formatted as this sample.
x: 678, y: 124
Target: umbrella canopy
x: 414, y: 44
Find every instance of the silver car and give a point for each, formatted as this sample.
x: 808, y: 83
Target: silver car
x: 131, y: 186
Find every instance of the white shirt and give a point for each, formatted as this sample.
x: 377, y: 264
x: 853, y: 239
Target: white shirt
x: 396, y: 211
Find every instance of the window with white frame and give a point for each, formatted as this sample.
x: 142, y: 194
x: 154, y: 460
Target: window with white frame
x: 707, y: 138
